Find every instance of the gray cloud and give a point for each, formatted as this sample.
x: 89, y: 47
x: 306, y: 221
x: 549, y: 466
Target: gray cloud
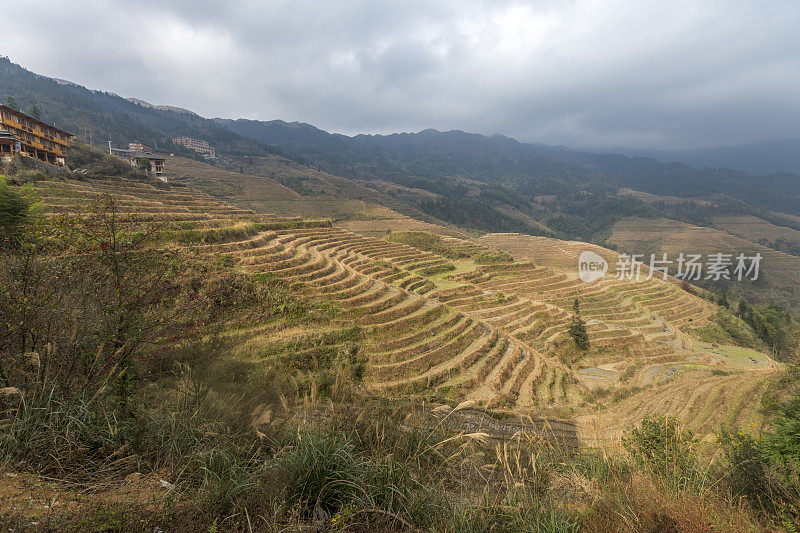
x: 638, y: 73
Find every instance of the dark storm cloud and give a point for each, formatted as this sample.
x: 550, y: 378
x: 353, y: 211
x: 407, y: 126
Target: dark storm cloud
x: 637, y: 73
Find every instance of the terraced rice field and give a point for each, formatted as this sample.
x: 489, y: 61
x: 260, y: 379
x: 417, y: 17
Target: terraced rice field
x: 496, y: 333
x: 754, y: 229
x: 778, y: 280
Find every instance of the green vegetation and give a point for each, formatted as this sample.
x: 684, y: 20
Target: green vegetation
x: 774, y: 326
x: 782, y: 245
x: 143, y: 164
x: 10, y: 102
x: 100, y: 116
x: 726, y: 328
x: 96, y: 163
x: 661, y: 445
x: 15, y: 214
x: 431, y: 242
x: 199, y: 349
x: 768, y: 327
x: 35, y: 113
x: 428, y: 242
x: 488, y: 258
x: 577, y: 328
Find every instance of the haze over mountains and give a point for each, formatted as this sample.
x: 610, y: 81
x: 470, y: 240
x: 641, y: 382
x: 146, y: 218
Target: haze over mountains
x: 779, y: 155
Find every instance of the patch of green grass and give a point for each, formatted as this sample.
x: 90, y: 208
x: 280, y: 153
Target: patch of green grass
x: 444, y: 280
x: 736, y: 357
x: 486, y: 258
x: 428, y: 242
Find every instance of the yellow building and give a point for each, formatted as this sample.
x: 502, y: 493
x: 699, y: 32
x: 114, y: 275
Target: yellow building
x: 198, y: 145
x: 25, y: 135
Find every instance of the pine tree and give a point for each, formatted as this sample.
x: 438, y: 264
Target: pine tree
x: 577, y: 328
x: 723, y: 300
x: 10, y: 102
x: 35, y: 113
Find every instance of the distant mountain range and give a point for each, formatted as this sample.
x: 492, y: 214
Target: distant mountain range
x: 780, y: 155
x: 500, y: 160
x: 427, y: 155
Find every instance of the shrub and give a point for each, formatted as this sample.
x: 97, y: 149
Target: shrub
x: 14, y: 214
x: 324, y: 475
x: 726, y: 328
x: 485, y: 258
x: 746, y: 471
x: 69, y: 438
x: 663, y: 448
x: 97, y: 163
x: 427, y: 242
x: 782, y: 446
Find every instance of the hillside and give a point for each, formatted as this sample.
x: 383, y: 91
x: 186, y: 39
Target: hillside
x: 223, y: 358
x: 280, y: 186
x: 425, y: 158
x: 455, y: 329
x: 779, y: 155
x: 778, y: 280
x: 500, y: 160
x: 400, y: 267
x: 760, y: 231
x: 504, y: 176
x: 224, y: 183
x: 101, y: 116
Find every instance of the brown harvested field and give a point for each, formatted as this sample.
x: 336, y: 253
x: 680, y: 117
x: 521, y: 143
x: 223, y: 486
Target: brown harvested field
x: 754, y: 229
x: 266, y: 195
x: 793, y: 219
x: 341, y: 192
x: 779, y: 278
x: 337, y: 209
x: 400, y: 190
x: 308, y: 181
x: 515, y: 213
x: 545, y: 251
x: 700, y: 400
x: 223, y: 183
x: 649, y: 198
x: 271, y: 185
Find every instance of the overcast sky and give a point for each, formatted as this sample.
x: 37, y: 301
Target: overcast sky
x: 637, y: 73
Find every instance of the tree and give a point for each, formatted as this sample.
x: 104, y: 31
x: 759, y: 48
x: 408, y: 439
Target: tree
x: 723, y: 300
x: 577, y: 328
x: 35, y: 113
x: 143, y: 164
x: 10, y: 102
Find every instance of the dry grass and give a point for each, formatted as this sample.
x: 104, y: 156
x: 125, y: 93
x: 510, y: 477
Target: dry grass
x: 754, y: 229
x: 228, y: 184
